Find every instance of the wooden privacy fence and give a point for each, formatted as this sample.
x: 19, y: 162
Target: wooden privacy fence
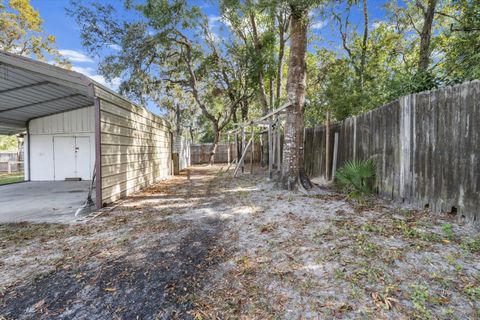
x: 200, y: 153
x: 11, y: 162
x: 426, y: 148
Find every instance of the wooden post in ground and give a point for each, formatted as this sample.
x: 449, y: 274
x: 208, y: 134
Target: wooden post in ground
x: 335, y: 152
x: 242, y: 162
x: 270, y: 147
x: 327, y: 146
x: 252, y: 150
x: 279, y: 154
x: 274, y: 147
x: 236, y: 146
x: 261, y: 148
x: 228, y: 148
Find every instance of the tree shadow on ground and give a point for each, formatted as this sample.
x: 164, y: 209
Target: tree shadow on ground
x: 161, y: 285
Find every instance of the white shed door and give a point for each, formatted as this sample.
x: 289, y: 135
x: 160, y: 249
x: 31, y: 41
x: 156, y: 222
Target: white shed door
x: 71, y: 157
x: 82, y: 158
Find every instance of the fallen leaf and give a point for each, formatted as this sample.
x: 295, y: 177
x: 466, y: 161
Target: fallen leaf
x: 39, y: 304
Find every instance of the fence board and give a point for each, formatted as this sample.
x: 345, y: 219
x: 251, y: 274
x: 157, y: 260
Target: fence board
x: 425, y: 146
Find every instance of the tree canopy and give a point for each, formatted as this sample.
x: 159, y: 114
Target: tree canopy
x: 22, y: 32
x: 171, y: 48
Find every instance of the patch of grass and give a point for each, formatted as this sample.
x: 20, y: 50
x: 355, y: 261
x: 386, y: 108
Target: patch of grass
x: 322, y: 235
x: 370, y: 227
x: 339, y: 273
x: 472, y: 292
x: 448, y: 231
x: 420, y: 297
x: 471, y: 245
x: 369, y: 249
x: 410, y: 231
x: 11, y: 178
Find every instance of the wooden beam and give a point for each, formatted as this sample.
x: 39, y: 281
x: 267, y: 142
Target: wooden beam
x: 272, y: 113
x: 242, y: 158
x: 260, y: 121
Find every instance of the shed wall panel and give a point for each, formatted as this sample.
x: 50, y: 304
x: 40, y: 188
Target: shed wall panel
x: 135, y: 147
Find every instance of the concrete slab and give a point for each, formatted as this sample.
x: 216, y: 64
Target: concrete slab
x: 45, y: 201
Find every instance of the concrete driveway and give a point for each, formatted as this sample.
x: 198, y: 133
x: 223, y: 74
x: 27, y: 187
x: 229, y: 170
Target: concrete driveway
x: 45, y: 201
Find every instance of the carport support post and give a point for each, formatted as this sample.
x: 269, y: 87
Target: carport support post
x: 98, y: 155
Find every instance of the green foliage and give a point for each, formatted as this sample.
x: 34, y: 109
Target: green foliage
x: 356, y: 177
x: 420, y: 298
x: 462, y: 42
x: 471, y: 245
x: 11, y: 178
x: 22, y: 32
x: 8, y: 143
x: 448, y: 231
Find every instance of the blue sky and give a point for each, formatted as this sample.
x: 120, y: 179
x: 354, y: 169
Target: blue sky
x: 67, y: 33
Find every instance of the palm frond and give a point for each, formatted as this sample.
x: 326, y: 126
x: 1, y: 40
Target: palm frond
x: 356, y: 176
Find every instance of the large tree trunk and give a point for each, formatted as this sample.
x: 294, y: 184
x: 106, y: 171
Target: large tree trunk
x: 293, y: 153
x: 363, y: 56
x: 216, y: 139
x: 178, y: 119
x: 281, y: 53
x: 426, y: 35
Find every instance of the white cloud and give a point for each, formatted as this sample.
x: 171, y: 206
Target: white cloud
x: 214, y: 19
x: 90, y: 72
x: 319, y: 24
x: 76, y: 56
x: 388, y: 26
x: 115, y: 47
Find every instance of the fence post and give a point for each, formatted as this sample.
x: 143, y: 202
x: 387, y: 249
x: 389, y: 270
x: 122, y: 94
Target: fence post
x: 335, y: 151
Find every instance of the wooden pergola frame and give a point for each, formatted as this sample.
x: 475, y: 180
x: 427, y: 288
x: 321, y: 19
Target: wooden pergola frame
x: 271, y: 121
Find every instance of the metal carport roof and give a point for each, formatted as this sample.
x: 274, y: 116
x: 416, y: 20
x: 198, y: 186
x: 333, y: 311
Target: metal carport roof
x: 30, y: 89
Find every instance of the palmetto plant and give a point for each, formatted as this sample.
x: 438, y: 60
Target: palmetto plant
x: 356, y: 177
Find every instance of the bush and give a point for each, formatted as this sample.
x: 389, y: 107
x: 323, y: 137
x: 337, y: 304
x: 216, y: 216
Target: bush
x: 356, y: 177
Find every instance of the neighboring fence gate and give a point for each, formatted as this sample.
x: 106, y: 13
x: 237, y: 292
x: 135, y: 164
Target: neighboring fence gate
x: 426, y: 148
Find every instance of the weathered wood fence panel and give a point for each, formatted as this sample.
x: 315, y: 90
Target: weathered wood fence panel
x: 426, y: 148
x: 200, y: 153
x: 11, y: 161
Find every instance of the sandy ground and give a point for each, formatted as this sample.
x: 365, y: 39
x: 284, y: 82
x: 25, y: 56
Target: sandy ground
x: 204, y: 246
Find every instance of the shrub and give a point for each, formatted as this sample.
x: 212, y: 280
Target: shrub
x: 356, y: 177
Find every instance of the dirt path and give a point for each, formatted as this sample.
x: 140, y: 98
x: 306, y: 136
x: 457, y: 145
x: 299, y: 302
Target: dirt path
x: 209, y: 247
x: 145, y: 259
